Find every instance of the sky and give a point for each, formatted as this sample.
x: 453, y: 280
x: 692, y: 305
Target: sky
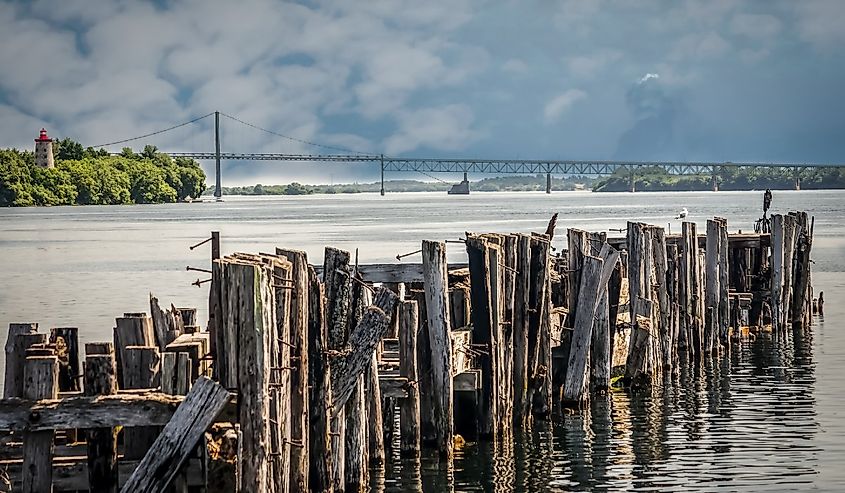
x: 680, y: 80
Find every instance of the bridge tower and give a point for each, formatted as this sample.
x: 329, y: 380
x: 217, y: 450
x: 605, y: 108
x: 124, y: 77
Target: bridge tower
x: 44, y: 150
x: 548, y: 182
x: 218, y: 189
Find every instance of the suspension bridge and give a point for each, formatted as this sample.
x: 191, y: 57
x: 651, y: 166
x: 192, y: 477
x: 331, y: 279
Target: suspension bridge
x: 548, y: 167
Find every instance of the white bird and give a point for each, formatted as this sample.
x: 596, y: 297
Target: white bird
x: 683, y: 214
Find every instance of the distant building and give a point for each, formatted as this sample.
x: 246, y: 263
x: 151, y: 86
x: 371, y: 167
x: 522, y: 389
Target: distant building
x: 44, y: 150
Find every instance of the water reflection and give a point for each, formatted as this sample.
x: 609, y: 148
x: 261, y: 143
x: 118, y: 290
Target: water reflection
x: 741, y: 420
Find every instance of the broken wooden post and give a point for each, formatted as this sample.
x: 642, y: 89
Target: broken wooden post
x: 141, y: 366
x: 436, y: 287
x: 133, y: 329
x: 179, y: 438
x: 101, y: 379
x: 409, y: 408
x: 40, y: 381
x: 319, y: 383
x: 346, y: 368
x: 175, y: 373
x: 66, y: 340
x: 298, y: 315
x: 15, y: 356
x: 690, y: 315
x: 588, y: 293
x: 539, y: 375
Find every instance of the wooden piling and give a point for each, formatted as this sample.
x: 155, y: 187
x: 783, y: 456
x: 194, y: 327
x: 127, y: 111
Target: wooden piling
x: 40, y: 381
x: 724, y: 283
x: 777, y: 271
x: 141, y: 366
x: 437, y: 308
x: 539, y: 374
x: 101, y: 379
x: 66, y: 341
x: 520, y: 321
x: 15, y: 356
x: 660, y: 286
x: 483, y: 328
x: 178, y: 439
x: 589, y: 293
x: 175, y: 373
x: 298, y: 315
x: 712, y: 290
x: 409, y: 408
x: 133, y: 329
x: 801, y: 278
x: 319, y: 380
x: 337, y: 280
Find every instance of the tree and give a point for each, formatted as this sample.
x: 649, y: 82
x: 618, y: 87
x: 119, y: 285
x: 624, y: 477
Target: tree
x: 67, y: 149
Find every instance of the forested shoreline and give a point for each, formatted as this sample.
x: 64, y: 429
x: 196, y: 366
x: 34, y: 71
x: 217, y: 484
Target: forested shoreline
x: 510, y: 183
x: 93, y: 177
x: 656, y: 179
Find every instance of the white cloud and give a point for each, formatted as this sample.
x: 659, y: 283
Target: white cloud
x: 762, y: 27
x: 514, y: 66
x: 821, y: 22
x: 699, y: 46
x: 587, y: 65
x: 562, y: 103
x: 445, y: 128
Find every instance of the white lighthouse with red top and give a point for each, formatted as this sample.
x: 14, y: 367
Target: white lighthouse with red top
x: 44, y: 150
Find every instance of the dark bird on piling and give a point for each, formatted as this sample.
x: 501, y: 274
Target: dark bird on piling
x: 550, y: 229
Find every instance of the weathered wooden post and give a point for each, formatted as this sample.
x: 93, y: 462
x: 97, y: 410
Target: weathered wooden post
x: 101, y: 379
x: 712, y: 290
x: 319, y: 380
x: 133, y: 329
x: 690, y: 316
x: 483, y: 328
x: 724, y: 282
x: 589, y: 292
x: 298, y: 315
x: 15, y: 357
x: 141, y: 366
x: 522, y: 287
x: 437, y: 307
x: 801, y: 284
x: 777, y: 272
x: 539, y: 375
x: 409, y: 408
x: 664, y: 330
x: 66, y: 340
x: 40, y: 381
x: 337, y: 279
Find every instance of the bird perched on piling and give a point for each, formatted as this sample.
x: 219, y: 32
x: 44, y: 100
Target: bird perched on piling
x: 682, y: 214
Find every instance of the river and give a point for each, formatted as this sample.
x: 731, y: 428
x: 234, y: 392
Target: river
x: 767, y: 417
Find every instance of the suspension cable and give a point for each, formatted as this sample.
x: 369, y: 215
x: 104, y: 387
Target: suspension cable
x: 155, y: 133
x: 301, y: 141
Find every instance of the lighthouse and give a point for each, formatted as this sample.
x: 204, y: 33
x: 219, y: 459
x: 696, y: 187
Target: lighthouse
x: 44, y: 150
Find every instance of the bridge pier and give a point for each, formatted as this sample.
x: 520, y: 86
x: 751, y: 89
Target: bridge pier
x: 548, y: 183
x: 382, y: 175
x: 797, y: 182
x: 632, y: 182
x: 715, y: 180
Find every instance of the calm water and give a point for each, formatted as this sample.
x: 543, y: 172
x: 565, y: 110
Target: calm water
x: 767, y: 417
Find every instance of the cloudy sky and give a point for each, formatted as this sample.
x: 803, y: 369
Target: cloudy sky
x: 606, y: 79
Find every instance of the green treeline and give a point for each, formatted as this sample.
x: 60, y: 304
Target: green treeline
x: 657, y: 179
x: 490, y: 184
x: 93, y: 177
